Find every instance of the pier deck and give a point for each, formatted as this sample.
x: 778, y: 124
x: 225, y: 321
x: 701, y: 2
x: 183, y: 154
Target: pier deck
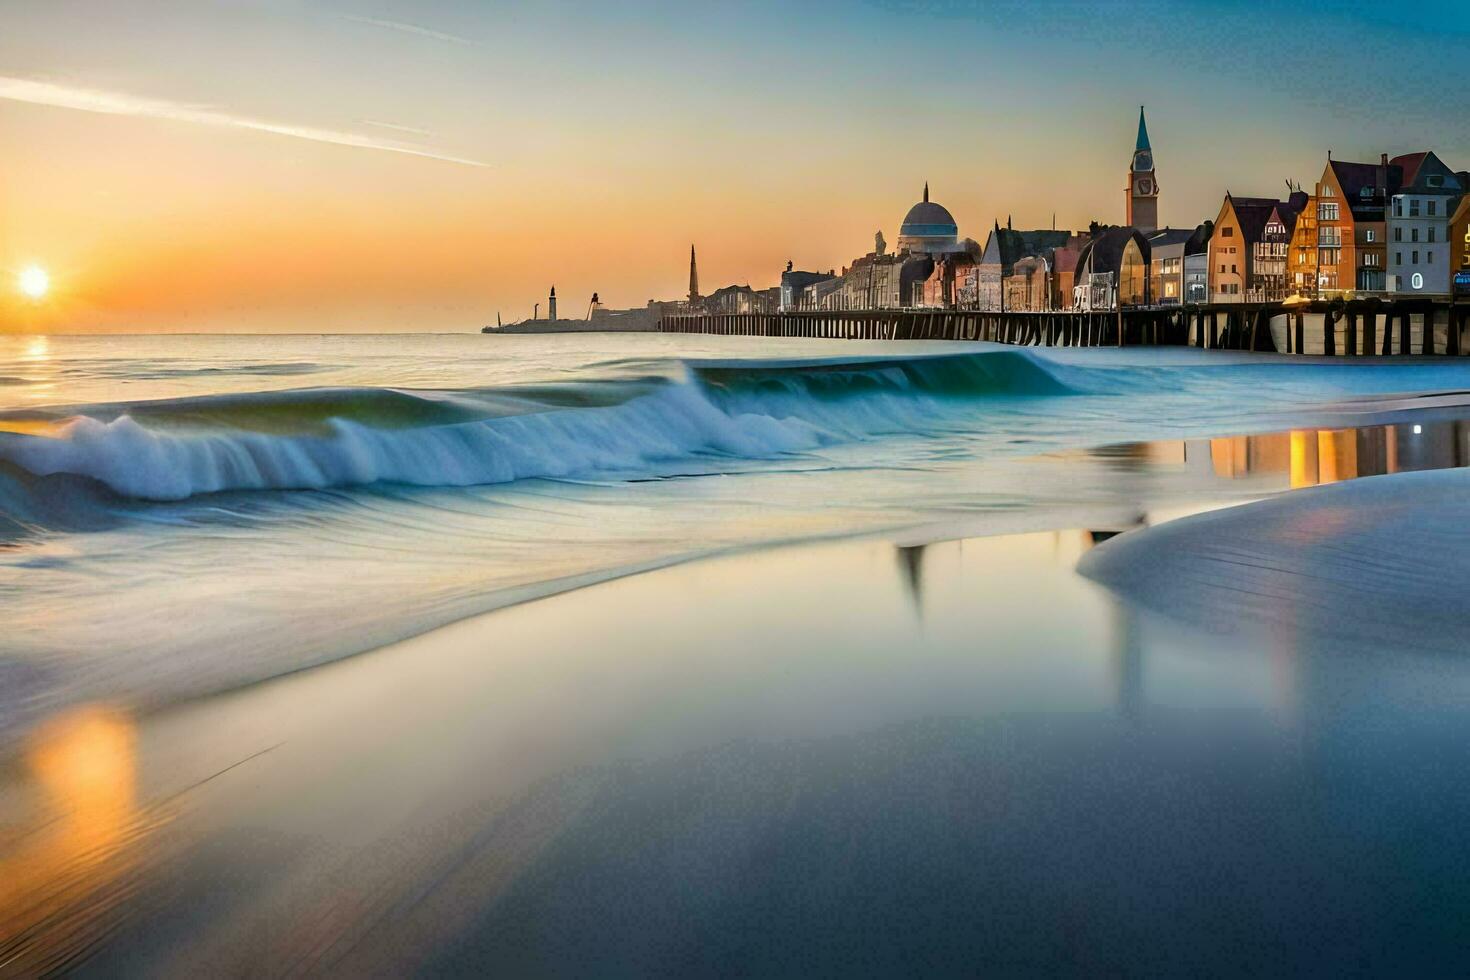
x: 1336, y: 327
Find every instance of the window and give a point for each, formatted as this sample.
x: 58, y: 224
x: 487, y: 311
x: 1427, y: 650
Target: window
x: 1413, y: 207
x: 1222, y: 268
x: 1371, y: 258
x: 1324, y: 190
x: 1398, y: 234
x: 1232, y: 268
x: 1418, y: 281
x: 1415, y: 254
x: 1430, y: 233
x: 1398, y: 258
x: 1327, y: 211
x: 1365, y: 193
x: 1434, y: 181
x: 1227, y: 232
x: 1413, y: 234
x: 1429, y: 257
x: 1431, y: 205
x: 1372, y: 235
x: 1398, y: 207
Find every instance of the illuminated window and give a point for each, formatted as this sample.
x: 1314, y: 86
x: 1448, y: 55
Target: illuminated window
x: 1417, y: 281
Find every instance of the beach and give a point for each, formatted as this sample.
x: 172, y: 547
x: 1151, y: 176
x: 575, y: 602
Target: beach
x: 1055, y: 662
x: 853, y: 757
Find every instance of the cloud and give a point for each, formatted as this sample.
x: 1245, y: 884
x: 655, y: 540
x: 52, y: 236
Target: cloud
x: 396, y: 127
x: 122, y: 104
x: 398, y: 25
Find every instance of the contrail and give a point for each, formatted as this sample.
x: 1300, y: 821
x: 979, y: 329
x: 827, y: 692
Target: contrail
x: 122, y: 104
x: 398, y: 25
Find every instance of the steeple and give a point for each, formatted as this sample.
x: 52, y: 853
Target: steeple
x: 1142, y: 132
x: 926, y: 192
x: 693, y: 279
x: 551, y: 305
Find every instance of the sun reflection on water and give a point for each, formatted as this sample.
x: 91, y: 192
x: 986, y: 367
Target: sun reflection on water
x: 67, y: 865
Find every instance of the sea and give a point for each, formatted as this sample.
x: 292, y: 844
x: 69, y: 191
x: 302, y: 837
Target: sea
x: 183, y: 515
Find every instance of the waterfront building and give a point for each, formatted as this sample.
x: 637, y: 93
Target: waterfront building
x: 1339, y: 245
x: 1169, y: 248
x: 1197, y: 270
x: 1064, y: 272
x: 1249, y: 245
x: 1112, y: 270
x: 1003, y: 249
x: 952, y: 282
x: 1418, y: 223
x: 816, y: 295
x: 913, y: 273
x: 742, y: 299
x: 795, y: 282
x: 1460, y: 248
x: 1032, y: 285
x: 1142, y: 192
x: 928, y: 228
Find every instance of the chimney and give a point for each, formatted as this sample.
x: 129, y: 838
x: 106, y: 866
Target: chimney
x: 1383, y: 175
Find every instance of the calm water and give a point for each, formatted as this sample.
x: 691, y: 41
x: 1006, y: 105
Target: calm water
x: 928, y: 749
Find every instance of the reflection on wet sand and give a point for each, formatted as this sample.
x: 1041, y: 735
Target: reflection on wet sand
x: 1311, y: 457
x: 67, y: 873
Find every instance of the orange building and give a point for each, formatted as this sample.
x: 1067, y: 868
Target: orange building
x: 1460, y: 249
x: 1342, y: 247
x: 1248, y: 248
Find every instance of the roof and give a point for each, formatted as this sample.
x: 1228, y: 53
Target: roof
x: 1104, y: 251
x: 1199, y: 242
x: 1354, y: 177
x: 1252, y: 214
x: 1064, y: 259
x: 1410, y: 163
x: 1142, y: 143
x: 927, y: 215
x: 1007, y: 246
x: 1169, y: 236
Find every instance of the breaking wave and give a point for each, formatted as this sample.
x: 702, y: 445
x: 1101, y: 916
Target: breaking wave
x: 636, y: 427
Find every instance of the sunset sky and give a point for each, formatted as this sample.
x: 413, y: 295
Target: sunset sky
x: 322, y: 166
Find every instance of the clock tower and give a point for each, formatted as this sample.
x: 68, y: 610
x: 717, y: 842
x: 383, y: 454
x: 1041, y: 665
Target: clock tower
x: 1142, y: 192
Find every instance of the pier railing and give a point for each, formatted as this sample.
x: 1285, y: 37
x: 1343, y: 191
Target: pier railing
x: 1337, y: 327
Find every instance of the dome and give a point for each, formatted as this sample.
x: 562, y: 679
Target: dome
x: 928, y: 218
x: 928, y: 227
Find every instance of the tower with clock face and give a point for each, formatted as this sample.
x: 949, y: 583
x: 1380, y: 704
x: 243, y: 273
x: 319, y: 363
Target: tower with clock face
x: 1142, y: 192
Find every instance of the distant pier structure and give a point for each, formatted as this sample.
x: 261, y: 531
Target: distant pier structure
x: 1358, y: 327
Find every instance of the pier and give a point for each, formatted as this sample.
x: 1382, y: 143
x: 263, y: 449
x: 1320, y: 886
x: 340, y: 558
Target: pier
x: 1358, y: 327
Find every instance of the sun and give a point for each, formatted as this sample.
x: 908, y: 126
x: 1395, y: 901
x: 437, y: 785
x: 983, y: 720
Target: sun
x: 33, y: 281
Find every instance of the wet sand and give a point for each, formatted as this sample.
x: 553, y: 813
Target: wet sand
x: 870, y: 757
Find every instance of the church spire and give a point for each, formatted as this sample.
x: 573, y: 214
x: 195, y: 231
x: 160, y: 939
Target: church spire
x: 926, y: 192
x: 693, y: 279
x: 1142, y: 132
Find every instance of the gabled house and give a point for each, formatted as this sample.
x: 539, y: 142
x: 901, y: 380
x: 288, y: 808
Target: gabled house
x: 1339, y: 245
x: 1248, y: 248
x: 1419, y: 225
x: 1003, y: 249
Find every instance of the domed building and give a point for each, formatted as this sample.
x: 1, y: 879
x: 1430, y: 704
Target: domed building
x: 928, y: 228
